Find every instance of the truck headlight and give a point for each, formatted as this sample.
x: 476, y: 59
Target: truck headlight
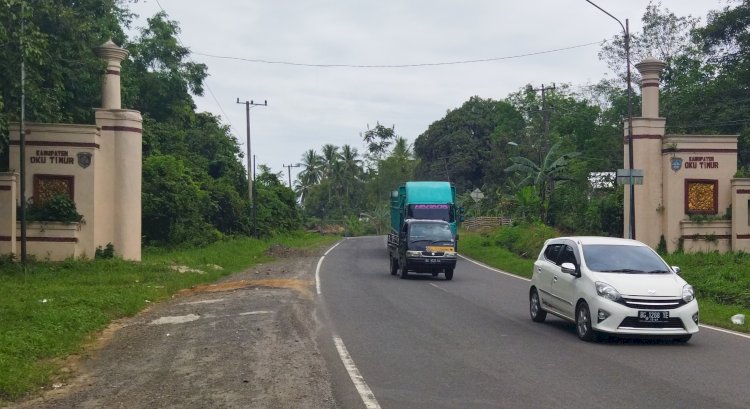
x: 413, y: 253
x: 688, y: 294
x: 607, y: 291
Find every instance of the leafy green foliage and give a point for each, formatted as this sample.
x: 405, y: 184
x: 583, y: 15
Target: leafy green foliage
x: 108, y: 252
x: 468, y: 144
x: 59, y: 208
x: 174, y: 206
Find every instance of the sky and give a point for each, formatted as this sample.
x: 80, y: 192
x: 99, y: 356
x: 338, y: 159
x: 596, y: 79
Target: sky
x: 310, y: 106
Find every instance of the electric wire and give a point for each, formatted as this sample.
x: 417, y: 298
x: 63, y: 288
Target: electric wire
x: 414, y: 65
x: 205, y: 81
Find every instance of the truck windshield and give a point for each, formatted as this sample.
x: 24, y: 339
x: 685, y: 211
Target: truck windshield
x: 431, y: 212
x: 430, y: 231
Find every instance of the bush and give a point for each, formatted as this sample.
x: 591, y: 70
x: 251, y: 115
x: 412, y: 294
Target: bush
x: 525, y: 240
x: 59, y: 208
x: 107, y: 252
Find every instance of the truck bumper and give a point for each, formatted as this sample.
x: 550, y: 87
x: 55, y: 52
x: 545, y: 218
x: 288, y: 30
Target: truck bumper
x: 430, y: 264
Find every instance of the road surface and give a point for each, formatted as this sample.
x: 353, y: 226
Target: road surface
x: 425, y: 342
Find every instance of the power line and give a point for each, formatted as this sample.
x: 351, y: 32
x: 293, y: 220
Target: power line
x: 300, y: 64
x: 208, y: 87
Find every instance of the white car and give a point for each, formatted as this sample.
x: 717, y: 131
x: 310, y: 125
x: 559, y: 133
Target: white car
x: 611, y: 285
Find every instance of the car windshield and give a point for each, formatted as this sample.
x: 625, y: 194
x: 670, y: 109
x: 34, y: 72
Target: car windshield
x: 623, y: 259
x: 430, y: 231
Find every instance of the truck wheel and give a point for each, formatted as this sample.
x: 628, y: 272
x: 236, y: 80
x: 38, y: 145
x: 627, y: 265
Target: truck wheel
x: 402, y: 271
x: 449, y: 274
x: 394, y: 266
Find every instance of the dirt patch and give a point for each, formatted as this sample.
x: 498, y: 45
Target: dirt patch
x: 301, y: 286
x: 250, y: 342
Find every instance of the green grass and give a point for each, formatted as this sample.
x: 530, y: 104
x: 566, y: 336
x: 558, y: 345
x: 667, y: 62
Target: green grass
x: 721, y: 281
x: 53, y: 308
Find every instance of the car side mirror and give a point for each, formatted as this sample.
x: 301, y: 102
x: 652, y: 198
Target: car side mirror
x: 676, y: 269
x: 570, y: 268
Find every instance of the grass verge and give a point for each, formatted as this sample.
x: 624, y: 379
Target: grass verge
x: 52, y: 309
x: 721, y: 281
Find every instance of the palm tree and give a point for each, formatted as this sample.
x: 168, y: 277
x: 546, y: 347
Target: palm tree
x: 351, y: 171
x: 543, y: 175
x: 330, y: 157
x: 331, y: 166
x: 311, y: 174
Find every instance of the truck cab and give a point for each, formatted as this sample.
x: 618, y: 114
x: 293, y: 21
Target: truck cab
x: 423, y: 246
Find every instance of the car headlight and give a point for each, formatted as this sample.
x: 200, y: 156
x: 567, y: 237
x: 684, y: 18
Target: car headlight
x: 607, y: 291
x: 413, y: 253
x: 688, y: 294
x: 450, y: 254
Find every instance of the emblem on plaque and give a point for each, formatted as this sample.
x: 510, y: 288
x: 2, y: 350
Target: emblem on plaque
x: 676, y: 164
x: 84, y: 159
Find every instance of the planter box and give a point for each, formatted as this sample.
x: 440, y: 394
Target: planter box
x: 52, y: 241
x: 714, y: 235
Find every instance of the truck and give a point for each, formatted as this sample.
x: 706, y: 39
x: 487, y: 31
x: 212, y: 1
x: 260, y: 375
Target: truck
x: 424, y: 200
x: 424, y: 229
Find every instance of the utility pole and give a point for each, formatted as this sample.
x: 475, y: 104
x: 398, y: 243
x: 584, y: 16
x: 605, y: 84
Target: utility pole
x: 22, y: 143
x: 289, y: 172
x: 250, y: 158
x: 545, y: 118
x: 250, y: 175
x: 626, y: 35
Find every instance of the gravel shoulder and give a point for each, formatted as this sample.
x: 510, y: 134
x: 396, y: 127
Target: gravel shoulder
x: 248, y: 341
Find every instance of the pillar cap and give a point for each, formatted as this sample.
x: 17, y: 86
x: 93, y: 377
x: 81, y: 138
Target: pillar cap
x: 651, y: 65
x: 111, y: 51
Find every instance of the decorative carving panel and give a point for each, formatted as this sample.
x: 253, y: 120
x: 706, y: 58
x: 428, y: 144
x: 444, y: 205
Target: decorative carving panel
x: 701, y: 196
x: 48, y: 186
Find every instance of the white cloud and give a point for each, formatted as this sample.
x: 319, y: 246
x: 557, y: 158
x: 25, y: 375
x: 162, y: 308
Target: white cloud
x: 309, y: 107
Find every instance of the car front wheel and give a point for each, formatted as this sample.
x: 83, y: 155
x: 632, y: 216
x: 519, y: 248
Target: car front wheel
x: 535, y: 307
x: 583, y: 323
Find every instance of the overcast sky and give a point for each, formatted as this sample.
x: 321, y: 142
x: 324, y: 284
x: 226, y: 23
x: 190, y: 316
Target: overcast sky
x: 312, y: 106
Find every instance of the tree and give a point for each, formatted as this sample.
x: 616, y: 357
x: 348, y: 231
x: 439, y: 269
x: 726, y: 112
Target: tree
x: 543, y: 176
x: 378, y: 140
x: 665, y: 36
x: 311, y: 174
x: 461, y: 146
x: 276, y: 202
x: 161, y: 77
x: 63, y: 75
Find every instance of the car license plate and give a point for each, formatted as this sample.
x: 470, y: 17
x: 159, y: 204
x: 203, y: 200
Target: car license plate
x: 653, y: 316
x: 433, y: 260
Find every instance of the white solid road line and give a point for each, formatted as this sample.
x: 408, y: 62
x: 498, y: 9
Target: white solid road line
x: 365, y: 393
x: 368, y: 398
x: 317, y: 269
x: 438, y: 287
x: 493, y: 268
x: 717, y: 329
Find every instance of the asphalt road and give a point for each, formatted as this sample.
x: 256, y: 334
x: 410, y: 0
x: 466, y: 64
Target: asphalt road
x: 469, y: 343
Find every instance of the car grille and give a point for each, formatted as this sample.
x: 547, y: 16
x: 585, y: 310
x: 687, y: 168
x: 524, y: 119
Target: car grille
x: 632, y: 322
x: 652, y: 303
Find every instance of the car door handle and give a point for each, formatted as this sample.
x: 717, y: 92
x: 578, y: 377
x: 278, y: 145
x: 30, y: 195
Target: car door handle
x: 554, y: 278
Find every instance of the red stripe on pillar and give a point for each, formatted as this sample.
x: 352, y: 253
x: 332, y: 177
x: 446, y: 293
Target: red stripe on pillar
x: 122, y: 129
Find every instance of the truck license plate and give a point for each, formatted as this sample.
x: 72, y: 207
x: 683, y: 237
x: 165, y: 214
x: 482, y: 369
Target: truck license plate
x: 439, y: 249
x: 653, y: 316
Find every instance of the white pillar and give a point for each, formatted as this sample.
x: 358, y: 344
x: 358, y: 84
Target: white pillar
x: 650, y: 70
x: 113, y: 55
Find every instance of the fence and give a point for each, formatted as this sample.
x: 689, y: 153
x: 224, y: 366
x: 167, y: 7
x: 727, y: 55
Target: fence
x: 482, y: 222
